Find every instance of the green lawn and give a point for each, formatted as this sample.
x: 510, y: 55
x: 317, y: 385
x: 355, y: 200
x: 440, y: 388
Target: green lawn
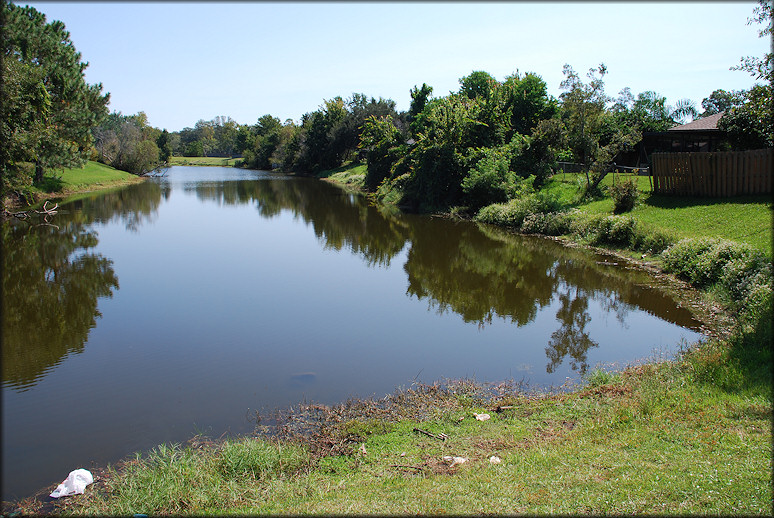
x: 745, y: 219
x: 90, y: 177
x: 202, y: 161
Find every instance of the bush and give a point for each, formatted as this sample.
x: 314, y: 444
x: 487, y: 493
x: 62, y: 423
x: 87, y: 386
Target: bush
x: 548, y: 224
x: 702, y: 261
x: 487, y: 182
x: 624, y: 194
x: 515, y: 212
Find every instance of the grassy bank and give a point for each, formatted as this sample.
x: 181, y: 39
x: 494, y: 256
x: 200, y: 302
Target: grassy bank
x: 681, y: 436
x: 203, y: 161
x: 656, y: 438
x: 91, y: 177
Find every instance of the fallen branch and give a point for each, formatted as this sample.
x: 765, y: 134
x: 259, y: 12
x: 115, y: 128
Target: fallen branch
x: 440, y: 436
x: 48, y: 211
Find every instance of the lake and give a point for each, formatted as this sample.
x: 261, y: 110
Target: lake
x: 184, y: 304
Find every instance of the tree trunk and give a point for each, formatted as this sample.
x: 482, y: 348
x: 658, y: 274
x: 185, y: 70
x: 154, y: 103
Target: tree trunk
x: 38, y: 173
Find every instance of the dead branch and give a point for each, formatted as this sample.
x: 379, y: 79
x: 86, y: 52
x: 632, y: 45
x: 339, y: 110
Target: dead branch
x: 440, y: 436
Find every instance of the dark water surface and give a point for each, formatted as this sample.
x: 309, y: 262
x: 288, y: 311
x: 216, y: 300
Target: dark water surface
x: 183, y: 304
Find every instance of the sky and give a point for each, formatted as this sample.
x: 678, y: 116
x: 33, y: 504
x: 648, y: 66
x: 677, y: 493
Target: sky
x: 180, y: 62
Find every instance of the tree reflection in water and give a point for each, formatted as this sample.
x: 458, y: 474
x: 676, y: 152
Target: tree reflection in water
x: 571, y: 339
x: 52, y: 279
x: 51, y: 283
x: 477, y: 271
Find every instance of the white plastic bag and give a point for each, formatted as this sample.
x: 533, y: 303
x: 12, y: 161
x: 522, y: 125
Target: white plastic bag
x: 74, y: 484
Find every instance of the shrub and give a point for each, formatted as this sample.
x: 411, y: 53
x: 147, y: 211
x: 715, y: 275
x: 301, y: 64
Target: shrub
x: 701, y: 261
x: 514, y: 213
x: 487, y: 182
x: 624, y: 194
x: 549, y: 224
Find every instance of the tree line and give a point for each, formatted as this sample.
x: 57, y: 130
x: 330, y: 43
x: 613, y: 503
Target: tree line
x: 472, y: 147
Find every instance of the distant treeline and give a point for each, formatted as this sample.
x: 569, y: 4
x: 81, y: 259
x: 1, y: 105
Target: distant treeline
x: 471, y: 147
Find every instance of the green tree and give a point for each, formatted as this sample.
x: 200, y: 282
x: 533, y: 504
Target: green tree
x: 594, y: 141
x: 165, y: 146
x: 749, y: 125
x: 583, y: 108
x: 721, y: 100
x: 416, y: 114
x: 379, y: 138
x: 59, y: 135
x: 477, y: 85
x: 760, y: 68
x: 128, y: 143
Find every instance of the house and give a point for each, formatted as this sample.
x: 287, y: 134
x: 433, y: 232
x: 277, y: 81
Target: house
x: 701, y: 135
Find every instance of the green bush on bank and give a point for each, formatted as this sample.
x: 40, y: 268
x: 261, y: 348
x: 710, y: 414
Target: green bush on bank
x: 736, y: 273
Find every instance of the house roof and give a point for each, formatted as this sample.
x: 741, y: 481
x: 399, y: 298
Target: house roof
x: 704, y: 124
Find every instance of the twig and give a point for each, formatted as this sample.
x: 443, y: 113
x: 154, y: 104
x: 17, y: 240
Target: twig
x: 440, y: 436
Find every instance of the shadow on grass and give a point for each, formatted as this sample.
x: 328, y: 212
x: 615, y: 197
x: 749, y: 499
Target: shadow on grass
x: 743, y: 364
x: 678, y: 202
x: 51, y: 184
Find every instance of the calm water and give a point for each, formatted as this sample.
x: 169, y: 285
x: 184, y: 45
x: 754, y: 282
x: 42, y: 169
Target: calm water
x: 183, y: 304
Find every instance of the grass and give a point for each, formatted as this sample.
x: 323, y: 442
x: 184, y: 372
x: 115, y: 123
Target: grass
x: 744, y: 219
x: 203, y: 161
x: 350, y: 176
x: 93, y: 175
x: 69, y: 181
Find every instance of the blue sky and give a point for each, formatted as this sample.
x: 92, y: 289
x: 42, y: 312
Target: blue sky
x: 180, y: 62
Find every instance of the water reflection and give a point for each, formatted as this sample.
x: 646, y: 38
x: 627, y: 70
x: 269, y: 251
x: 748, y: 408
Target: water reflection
x: 52, y: 279
x: 133, y: 206
x: 477, y: 271
x: 51, y: 283
x: 242, y: 289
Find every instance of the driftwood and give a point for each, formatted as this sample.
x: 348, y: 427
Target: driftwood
x: 24, y: 214
x: 440, y: 436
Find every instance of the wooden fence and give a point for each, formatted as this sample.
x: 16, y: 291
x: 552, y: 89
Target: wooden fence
x: 713, y: 174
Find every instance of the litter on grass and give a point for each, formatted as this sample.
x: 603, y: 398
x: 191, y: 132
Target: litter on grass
x: 74, y: 484
x: 453, y: 461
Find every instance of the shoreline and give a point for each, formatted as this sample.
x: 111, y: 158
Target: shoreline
x: 615, y: 390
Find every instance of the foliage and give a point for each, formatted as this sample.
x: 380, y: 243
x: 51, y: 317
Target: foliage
x: 748, y: 121
x: 379, y: 137
x: 128, y: 143
x: 760, y: 68
x: 489, y: 181
x: 48, y: 108
x: 748, y: 125
x: 416, y: 117
x: 701, y: 261
x: 624, y: 194
x: 721, y: 100
x: 650, y: 112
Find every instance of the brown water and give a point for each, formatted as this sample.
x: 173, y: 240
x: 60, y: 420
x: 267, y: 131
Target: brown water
x: 183, y: 304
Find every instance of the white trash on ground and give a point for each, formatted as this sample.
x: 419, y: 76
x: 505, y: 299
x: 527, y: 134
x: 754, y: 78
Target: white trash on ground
x: 482, y: 417
x: 494, y: 459
x: 74, y: 484
x: 453, y: 461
